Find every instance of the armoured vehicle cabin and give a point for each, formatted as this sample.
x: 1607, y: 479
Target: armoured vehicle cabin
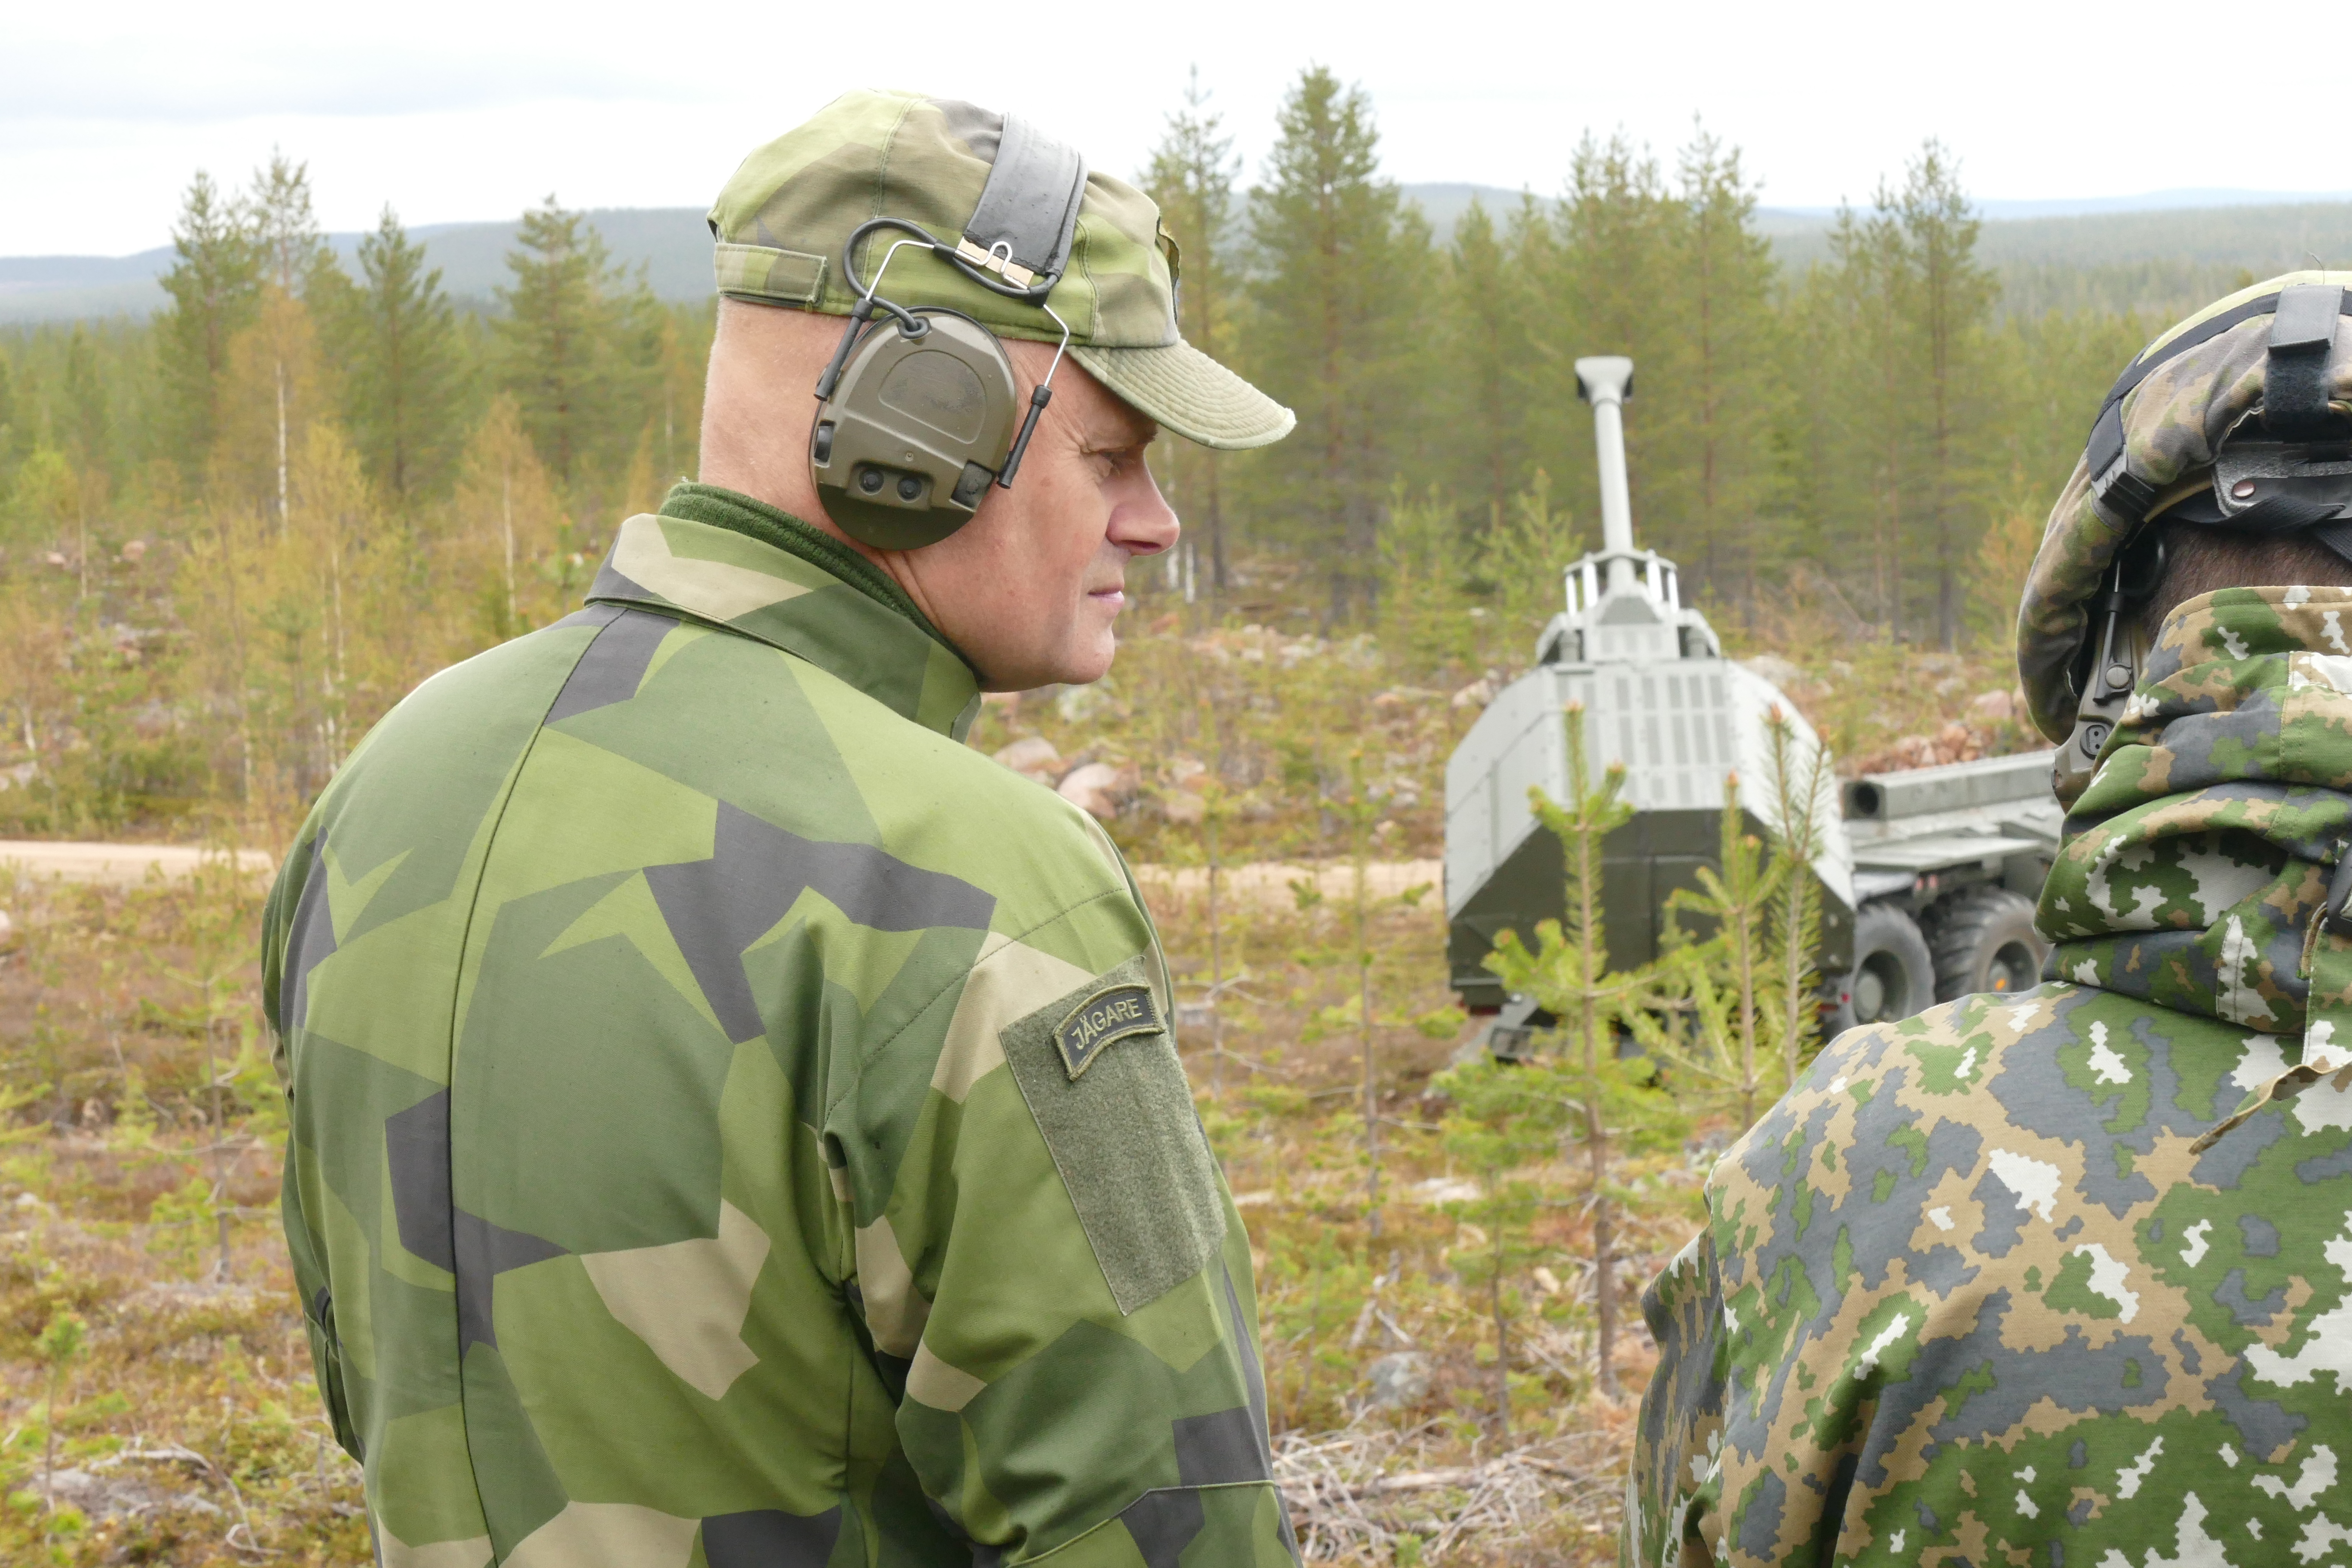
x: 1929, y: 874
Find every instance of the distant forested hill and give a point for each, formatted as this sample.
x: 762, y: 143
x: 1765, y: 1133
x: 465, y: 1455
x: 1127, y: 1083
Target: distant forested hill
x: 2155, y: 261
x: 2158, y: 262
x: 671, y: 243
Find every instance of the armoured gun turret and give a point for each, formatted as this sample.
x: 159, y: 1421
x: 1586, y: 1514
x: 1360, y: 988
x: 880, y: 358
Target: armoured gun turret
x: 1924, y: 898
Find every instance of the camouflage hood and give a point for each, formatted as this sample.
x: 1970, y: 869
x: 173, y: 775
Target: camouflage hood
x: 2202, y: 849
x: 2201, y: 377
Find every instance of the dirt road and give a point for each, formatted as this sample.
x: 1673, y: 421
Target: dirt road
x: 120, y: 864
x: 1269, y: 881
x: 1264, y: 882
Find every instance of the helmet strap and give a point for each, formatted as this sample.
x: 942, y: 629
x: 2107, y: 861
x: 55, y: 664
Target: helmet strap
x: 2115, y: 670
x: 2295, y: 376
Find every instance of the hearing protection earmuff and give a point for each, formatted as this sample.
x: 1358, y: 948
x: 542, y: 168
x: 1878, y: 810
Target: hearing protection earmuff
x: 916, y: 414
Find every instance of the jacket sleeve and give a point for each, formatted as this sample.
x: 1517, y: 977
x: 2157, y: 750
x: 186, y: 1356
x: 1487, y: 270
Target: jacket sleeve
x: 283, y: 933
x: 1673, y: 1490
x: 1056, y: 1276
x: 276, y: 925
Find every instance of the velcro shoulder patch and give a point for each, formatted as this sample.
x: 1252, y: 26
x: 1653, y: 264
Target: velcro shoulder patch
x: 1100, y: 1073
x: 1113, y: 1014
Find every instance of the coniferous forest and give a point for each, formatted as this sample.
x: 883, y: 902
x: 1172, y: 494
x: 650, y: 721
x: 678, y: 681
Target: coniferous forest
x: 303, y: 485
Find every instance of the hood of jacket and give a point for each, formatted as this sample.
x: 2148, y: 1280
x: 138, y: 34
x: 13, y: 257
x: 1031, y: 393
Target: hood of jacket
x: 2196, y: 861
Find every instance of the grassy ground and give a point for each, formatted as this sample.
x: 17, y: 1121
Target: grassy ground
x: 155, y: 1395
x: 186, y: 1428
x: 144, y: 1294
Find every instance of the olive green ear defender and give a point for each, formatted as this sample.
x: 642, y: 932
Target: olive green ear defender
x: 914, y: 432
x: 917, y: 413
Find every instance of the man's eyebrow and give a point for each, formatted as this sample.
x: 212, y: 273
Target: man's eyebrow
x: 1134, y: 430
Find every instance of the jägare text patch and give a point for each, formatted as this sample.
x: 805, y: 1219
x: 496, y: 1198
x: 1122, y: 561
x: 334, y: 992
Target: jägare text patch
x: 1110, y: 1015
x: 1101, y: 1077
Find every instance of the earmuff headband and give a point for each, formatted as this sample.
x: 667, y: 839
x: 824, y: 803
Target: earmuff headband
x: 905, y: 443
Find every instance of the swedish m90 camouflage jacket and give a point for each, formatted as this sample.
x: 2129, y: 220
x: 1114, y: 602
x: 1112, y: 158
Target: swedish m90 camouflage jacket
x: 735, y: 1124
x: 2062, y: 1277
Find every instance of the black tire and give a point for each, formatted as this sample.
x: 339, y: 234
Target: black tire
x: 1893, y: 976
x: 1982, y: 939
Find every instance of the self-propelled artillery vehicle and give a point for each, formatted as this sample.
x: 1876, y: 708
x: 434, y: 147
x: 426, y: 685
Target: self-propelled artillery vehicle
x: 1929, y: 875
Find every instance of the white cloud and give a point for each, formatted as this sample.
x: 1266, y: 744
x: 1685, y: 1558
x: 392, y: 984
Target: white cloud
x: 470, y: 111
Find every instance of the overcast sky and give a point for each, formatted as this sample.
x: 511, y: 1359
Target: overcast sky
x: 456, y: 111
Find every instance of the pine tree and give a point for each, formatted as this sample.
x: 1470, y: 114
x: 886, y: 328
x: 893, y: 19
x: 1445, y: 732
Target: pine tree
x: 1506, y: 1118
x: 215, y: 289
x: 638, y: 357
x: 580, y: 349
x: 1566, y: 972
x: 1870, y: 288
x: 44, y: 503
x: 1337, y: 254
x: 1717, y: 417
x: 555, y: 314
x: 1598, y: 274
x: 1616, y: 230
x: 1486, y: 368
x: 285, y: 228
x: 14, y: 438
x: 403, y: 342
x: 2057, y: 367
x: 1903, y: 309
x: 1192, y: 178
x: 88, y: 425
x: 1675, y: 275
x: 685, y: 352
x: 1953, y: 297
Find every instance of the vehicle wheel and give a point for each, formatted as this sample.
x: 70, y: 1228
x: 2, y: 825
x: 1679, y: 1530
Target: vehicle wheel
x: 1982, y: 939
x: 1893, y: 976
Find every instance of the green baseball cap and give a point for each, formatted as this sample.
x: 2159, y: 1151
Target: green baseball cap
x: 783, y: 218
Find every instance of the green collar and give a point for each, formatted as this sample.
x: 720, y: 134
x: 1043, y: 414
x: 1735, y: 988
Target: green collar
x: 699, y: 502
x: 724, y: 558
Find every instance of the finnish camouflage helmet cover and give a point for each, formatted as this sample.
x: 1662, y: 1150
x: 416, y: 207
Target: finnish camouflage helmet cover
x: 2173, y: 422
x: 783, y: 218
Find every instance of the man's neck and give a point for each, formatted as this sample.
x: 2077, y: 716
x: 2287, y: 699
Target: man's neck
x: 721, y: 507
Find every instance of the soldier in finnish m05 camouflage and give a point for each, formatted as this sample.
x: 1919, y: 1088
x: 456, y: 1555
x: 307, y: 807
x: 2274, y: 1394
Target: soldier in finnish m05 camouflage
x: 734, y: 1123
x: 2065, y: 1279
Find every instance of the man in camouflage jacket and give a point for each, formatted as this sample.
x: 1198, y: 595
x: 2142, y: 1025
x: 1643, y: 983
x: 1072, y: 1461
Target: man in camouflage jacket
x: 2065, y: 1278
x: 734, y: 1123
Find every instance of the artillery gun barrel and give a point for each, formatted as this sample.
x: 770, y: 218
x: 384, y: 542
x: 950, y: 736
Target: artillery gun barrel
x: 1605, y: 380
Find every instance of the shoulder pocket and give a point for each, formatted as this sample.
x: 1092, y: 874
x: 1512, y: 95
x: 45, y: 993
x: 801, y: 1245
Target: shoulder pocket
x: 1098, y: 1068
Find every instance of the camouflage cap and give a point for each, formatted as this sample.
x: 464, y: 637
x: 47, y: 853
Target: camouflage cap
x: 2171, y: 423
x: 784, y: 216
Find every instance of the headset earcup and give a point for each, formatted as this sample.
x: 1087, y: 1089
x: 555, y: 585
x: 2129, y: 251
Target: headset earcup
x: 903, y: 452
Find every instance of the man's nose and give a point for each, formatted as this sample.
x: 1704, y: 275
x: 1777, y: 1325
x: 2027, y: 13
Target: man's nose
x: 1141, y: 521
